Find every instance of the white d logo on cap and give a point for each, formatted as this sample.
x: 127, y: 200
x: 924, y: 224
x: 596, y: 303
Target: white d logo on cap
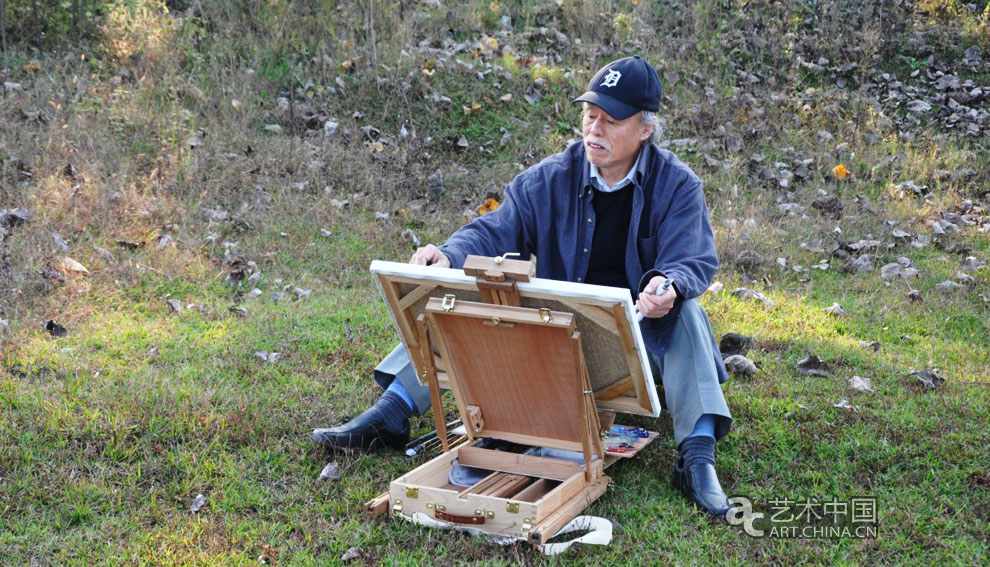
x: 611, y: 78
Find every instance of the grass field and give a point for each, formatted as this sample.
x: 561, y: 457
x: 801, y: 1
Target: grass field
x: 197, y: 142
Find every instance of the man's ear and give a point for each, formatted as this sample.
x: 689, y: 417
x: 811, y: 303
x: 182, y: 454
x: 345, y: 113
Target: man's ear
x: 647, y: 133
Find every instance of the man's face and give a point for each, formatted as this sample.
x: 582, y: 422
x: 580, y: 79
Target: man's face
x: 611, y: 144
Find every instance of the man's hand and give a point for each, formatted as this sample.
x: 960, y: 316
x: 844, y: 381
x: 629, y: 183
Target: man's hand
x: 656, y: 306
x: 430, y: 255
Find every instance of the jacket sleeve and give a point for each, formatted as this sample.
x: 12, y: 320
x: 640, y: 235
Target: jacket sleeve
x: 685, y: 243
x: 510, y: 228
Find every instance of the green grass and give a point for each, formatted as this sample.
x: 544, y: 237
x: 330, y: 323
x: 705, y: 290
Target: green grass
x: 109, y: 433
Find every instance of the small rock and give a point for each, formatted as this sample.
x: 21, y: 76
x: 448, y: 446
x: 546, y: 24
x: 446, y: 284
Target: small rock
x: 915, y: 296
x: 949, y: 285
x: 714, y: 288
x: 872, y: 345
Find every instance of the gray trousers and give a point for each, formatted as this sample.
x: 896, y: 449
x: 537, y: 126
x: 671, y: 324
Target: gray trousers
x: 690, y: 380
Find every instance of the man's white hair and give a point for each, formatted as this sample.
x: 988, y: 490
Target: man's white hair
x: 648, y: 118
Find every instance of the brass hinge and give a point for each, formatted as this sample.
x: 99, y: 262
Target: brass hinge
x: 412, y: 492
x: 512, y: 507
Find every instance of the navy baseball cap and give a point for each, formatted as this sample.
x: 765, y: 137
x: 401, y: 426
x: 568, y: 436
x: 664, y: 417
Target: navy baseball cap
x: 624, y: 87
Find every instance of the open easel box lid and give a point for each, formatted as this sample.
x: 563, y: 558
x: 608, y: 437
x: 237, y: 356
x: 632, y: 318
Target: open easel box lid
x: 517, y: 374
x: 611, y: 341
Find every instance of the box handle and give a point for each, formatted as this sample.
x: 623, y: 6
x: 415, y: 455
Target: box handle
x: 476, y: 519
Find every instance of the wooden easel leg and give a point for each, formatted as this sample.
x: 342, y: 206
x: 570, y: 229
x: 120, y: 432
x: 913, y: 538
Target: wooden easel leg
x: 432, y: 383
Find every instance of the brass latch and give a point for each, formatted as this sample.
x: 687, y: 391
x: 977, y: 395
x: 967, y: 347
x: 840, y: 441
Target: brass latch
x: 448, y: 302
x: 397, y: 507
x: 527, y: 525
x: 412, y: 492
x: 545, y: 315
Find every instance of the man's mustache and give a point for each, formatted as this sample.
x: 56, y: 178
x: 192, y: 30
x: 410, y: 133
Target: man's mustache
x: 599, y: 142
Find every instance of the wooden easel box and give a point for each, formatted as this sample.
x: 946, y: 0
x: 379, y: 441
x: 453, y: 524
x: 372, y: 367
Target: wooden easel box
x: 518, y: 374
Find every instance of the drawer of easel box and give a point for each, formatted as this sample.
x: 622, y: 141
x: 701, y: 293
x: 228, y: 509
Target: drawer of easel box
x: 524, y: 496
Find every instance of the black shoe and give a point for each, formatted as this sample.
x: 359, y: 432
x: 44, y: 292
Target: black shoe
x: 695, y: 476
x: 384, y: 424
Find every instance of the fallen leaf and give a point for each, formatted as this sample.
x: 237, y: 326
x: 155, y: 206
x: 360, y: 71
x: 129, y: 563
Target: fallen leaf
x: 739, y: 364
x: 32, y: 65
x: 70, y: 266
x: 409, y: 235
x: 196, y: 140
x: 197, y: 503
x: 734, y: 343
x: 744, y: 293
x: 268, y: 556
x: 332, y: 472
x: 835, y: 310
x: 469, y: 110
x: 844, y: 404
x: 105, y: 254
x: 265, y: 356
x: 54, y: 329
x: 812, y: 366
x: 489, y: 206
x: 929, y: 378
x: 861, y: 384
x: 352, y: 554
x: 828, y: 204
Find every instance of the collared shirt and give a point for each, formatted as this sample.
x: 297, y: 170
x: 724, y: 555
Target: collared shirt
x: 603, y: 186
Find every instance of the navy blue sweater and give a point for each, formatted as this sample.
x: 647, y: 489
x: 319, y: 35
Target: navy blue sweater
x: 548, y: 212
